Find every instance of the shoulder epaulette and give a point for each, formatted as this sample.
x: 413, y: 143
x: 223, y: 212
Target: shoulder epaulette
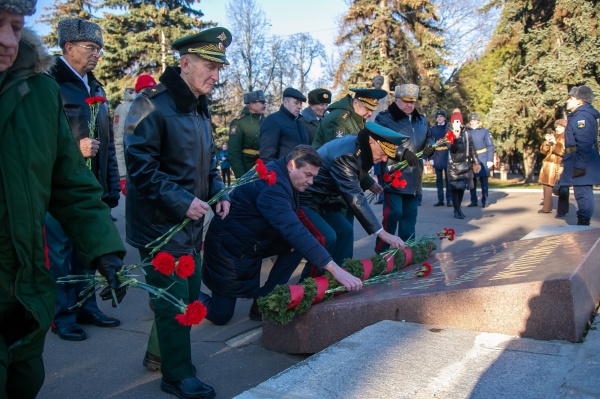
x: 345, y: 114
x: 154, y: 91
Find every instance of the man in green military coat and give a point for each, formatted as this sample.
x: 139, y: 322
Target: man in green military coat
x: 41, y: 170
x: 244, y: 131
x: 348, y: 115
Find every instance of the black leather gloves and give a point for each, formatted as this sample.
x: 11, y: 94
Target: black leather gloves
x: 108, y: 265
x: 428, y: 150
x: 410, y: 158
x: 578, y: 172
x: 112, y: 202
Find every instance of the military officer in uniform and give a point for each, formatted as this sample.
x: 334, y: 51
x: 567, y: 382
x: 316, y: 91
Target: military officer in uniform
x: 318, y: 100
x: 244, y: 131
x: 581, y: 160
x: 400, y: 205
x: 172, y: 173
x: 484, y: 148
x: 348, y: 115
x: 440, y: 158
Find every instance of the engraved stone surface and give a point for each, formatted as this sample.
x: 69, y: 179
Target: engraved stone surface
x: 543, y: 288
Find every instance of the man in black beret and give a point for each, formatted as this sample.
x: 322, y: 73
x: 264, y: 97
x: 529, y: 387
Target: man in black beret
x: 318, y: 100
x: 172, y: 173
x: 244, y: 131
x: 81, y: 43
x: 281, y: 131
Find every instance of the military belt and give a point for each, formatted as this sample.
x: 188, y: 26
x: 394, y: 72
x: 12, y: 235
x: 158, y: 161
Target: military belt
x: 481, y: 151
x: 250, y: 152
x: 570, y: 150
x: 441, y: 148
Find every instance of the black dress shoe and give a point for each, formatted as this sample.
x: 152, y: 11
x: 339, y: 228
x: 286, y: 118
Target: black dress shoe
x: 254, y: 313
x: 98, y: 319
x: 472, y: 204
x: 458, y: 215
x: 439, y: 203
x: 461, y: 213
x: 70, y: 332
x: 151, y: 362
x: 449, y: 204
x: 189, y: 388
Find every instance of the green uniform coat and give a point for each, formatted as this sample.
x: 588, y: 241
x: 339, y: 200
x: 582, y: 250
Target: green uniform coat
x: 41, y: 169
x: 243, y: 135
x: 340, y: 121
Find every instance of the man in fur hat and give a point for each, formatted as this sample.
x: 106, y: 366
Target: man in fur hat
x: 41, y: 170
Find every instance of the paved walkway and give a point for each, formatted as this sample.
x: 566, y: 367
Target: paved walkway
x: 231, y: 358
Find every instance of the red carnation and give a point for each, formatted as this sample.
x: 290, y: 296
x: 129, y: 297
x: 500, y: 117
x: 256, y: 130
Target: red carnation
x: 164, y: 263
x: 424, y: 270
x: 261, y: 169
x: 396, y: 183
x: 90, y: 100
x: 387, y: 177
x: 195, y: 312
x: 185, y: 266
x: 403, y: 183
x: 271, y: 178
x: 397, y: 174
x: 450, y: 137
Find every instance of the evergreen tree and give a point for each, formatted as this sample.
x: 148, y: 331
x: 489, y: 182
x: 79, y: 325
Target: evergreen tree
x: 398, y: 39
x: 62, y: 9
x: 556, y: 45
x: 138, y: 36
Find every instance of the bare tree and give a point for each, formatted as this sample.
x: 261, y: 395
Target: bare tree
x: 304, y: 51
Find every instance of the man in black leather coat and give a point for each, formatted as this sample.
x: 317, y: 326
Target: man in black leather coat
x: 172, y: 173
x: 81, y: 43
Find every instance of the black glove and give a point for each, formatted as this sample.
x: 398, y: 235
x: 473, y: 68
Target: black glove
x: 410, y: 158
x: 578, y: 172
x: 112, y: 202
x: 108, y: 265
x: 428, y: 150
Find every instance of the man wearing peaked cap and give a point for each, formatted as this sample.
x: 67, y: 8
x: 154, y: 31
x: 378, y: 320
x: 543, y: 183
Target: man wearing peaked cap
x: 338, y: 185
x: 81, y: 43
x: 440, y: 158
x: 484, y: 154
x: 318, y: 100
x: 281, y: 131
x: 581, y: 160
x: 348, y: 115
x: 400, y: 205
x: 244, y: 131
x: 172, y: 173
x: 46, y: 172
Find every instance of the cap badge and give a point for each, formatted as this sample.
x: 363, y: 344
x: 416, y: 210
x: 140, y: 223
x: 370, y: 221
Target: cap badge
x: 97, y: 33
x: 222, y: 36
x: 221, y: 47
x: 325, y: 95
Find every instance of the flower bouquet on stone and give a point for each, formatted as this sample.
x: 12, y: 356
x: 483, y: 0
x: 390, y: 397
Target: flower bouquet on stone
x: 94, y: 103
x: 286, y: 301
x: 165, y: 263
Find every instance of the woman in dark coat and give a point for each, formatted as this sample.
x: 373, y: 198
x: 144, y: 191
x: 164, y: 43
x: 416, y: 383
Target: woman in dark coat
x: 553, y: 148
x: 460, y: 163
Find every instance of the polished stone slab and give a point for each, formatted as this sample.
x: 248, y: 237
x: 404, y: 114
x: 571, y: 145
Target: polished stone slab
x: 543, y: 288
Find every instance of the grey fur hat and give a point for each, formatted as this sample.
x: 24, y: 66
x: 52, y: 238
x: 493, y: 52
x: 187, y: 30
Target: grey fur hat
x: 78, y: 30
x: 21, y: 7
x: 254, y: 96
x: 583, y: 93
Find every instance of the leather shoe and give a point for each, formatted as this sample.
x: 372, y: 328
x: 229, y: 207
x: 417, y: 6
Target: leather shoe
x: 189, y: 388
x: 439, y: 203
x: 458, y: 215
x: 70, y: 332
x: 151, y: 362
x: 254, y: 313
x: 472, y: 204
x: 98, y: 319
x: 449, y: 204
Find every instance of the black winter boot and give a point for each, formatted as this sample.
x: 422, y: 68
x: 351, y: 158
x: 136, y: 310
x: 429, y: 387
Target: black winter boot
x: 581, y: 221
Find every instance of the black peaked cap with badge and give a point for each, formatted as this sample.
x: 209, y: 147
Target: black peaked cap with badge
x: 209, y: 44
x: 369, y: 97
x: 291, y: 92
x: 319, y: 96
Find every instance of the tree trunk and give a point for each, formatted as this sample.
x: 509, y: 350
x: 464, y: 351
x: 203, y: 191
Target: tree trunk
x: 529, y: 156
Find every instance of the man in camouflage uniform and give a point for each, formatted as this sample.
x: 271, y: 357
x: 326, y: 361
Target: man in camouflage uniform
x: 244, y: 131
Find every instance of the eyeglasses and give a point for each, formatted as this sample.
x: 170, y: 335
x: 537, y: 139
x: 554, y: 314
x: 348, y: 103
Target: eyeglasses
x: 91, y: 49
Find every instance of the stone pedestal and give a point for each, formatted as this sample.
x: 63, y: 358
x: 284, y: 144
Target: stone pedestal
x: 543, y: 288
